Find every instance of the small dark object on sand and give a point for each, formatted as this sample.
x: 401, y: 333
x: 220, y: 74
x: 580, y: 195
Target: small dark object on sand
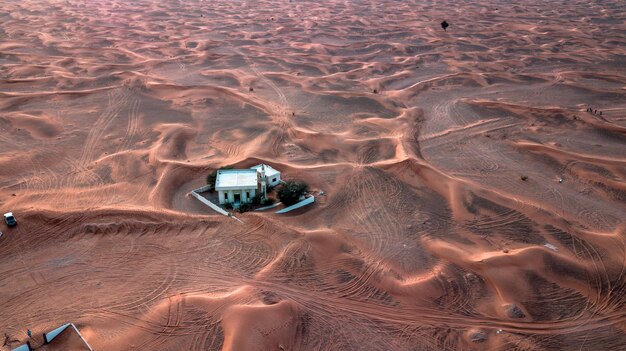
x: 513, y: 311
x: 251, y: 89
x: 375, y: 91
x: 444, y: 25
x: 524, y: 178
x: 479, y: 337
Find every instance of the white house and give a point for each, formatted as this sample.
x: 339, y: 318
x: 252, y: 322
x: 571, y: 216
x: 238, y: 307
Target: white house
x: 272, y: 176
x: 241, y: 185
x: 236, y: 185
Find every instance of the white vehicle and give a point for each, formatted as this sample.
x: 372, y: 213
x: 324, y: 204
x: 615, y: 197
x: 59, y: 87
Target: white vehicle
x: 9, y: 219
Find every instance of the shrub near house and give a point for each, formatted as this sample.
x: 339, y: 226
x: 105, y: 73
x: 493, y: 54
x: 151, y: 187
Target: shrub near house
x: 256, y: 200
x: 291, y: 191
x: 268, y: 201
x: 244, y: 207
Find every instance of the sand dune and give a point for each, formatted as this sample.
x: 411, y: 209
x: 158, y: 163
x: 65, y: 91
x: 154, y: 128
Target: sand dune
x: 427, y: 238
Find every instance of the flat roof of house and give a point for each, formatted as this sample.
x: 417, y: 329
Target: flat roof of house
x: 235, y: 178
x: 269, y: 171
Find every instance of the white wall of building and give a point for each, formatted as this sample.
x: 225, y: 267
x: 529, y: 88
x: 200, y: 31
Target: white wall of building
x: 273, y: 180
x: 272, y: 176
x: 246, y: 195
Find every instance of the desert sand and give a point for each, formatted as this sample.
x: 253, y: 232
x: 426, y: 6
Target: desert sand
x: 427, y: 238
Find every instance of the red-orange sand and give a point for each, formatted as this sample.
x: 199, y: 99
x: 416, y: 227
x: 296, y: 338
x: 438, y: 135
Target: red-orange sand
x: 427, y: 237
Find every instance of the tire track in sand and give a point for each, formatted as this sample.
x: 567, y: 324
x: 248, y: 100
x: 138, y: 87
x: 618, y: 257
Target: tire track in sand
x: 279, y: 112
x: 117, y: 99
x: 133, y: 121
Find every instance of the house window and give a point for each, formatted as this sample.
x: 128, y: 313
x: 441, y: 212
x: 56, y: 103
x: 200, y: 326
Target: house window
x: 248, y: 194
x: 273, y: 180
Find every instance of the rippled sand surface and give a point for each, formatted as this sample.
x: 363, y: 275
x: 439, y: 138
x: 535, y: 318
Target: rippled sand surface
x: 427, y: 238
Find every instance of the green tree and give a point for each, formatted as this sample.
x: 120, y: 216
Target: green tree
x: 290, y: 192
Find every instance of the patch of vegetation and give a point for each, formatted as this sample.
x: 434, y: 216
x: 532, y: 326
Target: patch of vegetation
x: 289, y: 193
x: 244, y: 207
x: 256, y: 200
x: 268, y: 201
x: 228, y: 206
x: 212, y: 177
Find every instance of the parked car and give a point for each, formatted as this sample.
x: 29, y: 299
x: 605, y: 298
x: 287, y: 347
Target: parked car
x: 10, y: 219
